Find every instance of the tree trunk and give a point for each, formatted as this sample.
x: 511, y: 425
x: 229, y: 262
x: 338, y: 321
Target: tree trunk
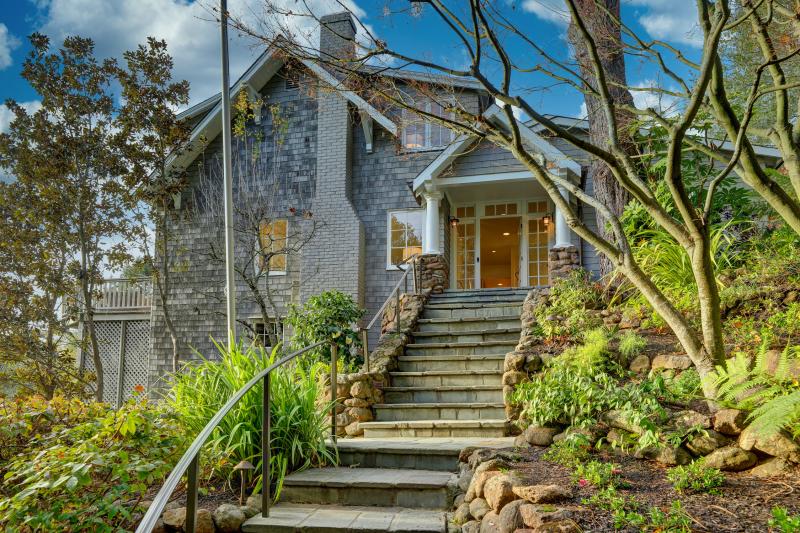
x: 606, y: 33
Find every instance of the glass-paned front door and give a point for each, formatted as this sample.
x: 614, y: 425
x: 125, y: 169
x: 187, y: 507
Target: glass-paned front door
x: 465, y: 254
x: 538, y: 236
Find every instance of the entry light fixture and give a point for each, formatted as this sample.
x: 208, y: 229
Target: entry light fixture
x: 494, y: 251
x: 546, y: 220
x: 453, y: 221
x: 499, y: 284
x: 506, y: 234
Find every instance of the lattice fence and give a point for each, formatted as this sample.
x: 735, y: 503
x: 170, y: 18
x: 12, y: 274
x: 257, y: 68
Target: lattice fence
x: 124, y: 352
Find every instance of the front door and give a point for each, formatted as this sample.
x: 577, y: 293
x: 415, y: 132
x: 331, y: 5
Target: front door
x: 499, y: 252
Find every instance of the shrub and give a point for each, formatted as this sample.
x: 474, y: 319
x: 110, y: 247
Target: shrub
x: 684, y: 387
x: 91, y: 476
x: 299, y: 416
x: 696, y: 477
x: 328, y: 315
x: 597, y: 473
x: 631, y: 344
x: 570, y: 298
x: 570, y: 451
x: 782, y: 521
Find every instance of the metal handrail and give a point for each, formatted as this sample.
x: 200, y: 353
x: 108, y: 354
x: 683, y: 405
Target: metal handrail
x: 396, y: 295
x: 189, y: 462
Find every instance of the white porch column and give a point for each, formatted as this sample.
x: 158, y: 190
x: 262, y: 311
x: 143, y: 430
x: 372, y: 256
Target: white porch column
x: 563, y: 233
x: 431, y: 243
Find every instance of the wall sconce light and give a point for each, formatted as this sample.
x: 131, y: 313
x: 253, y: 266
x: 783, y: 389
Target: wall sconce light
x: 546, y: 220
x: 453, y: 221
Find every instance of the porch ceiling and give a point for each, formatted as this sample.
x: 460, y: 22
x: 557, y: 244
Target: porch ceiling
x: 514, y: 187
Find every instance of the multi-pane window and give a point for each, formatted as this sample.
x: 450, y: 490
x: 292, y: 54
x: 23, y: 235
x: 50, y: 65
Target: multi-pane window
x: 538, y: 243
x: 264, y: 333
x: 405, y: 234
x: 273, y: 236
x: 422, y: 133
x: 494, y: 210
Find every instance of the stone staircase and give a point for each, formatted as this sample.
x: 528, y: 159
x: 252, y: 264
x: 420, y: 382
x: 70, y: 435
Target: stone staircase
x: 446, y: 395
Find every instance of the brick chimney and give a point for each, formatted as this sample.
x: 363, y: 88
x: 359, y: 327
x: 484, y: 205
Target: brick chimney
x: 337, y: 36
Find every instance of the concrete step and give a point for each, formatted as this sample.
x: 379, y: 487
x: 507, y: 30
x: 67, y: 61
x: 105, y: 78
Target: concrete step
x: 477, y: 300
x: 435, y: 428
x: 476, y: 393
x: 374, y: 487
x: 423, y: 453
x: 510, y: 293
x: 389, y: 412
x: 423, y: 363
x: 462, y: 348
x: 468, y: 310
x: 293, y: 518
x: 477, y: 335
x: 438, y: 378
x: 467, y: 324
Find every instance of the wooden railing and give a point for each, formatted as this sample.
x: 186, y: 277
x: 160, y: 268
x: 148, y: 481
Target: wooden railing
x: 120, y: 294
x: 189, y: 463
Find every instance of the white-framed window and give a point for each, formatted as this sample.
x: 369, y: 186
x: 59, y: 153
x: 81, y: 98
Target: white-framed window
x: 261, y: 332
x: 273, y: 235
x: 405, y: 230
x: 420, y: 133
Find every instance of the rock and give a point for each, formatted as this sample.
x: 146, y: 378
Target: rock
x: 730, y: 458
x: 617, y: 419
x: 498, y: 491
x: 535, y: 516
x: 473, y: 526
x: 730, y: 421
x: 778, y: 444
x: 621, y: 438
x: 510, y: 518
x: 254, y: 501
x: 539, y: 435
x: 228, y: 518
x: 533, y: 363
x: 514, y: 361
x: 666, y: 455
x: 490, y: 523
x: 356, y: 402
x: 462, y: 514
x: 496, y: 463
x: 459, y: 499
x: 478, y: 508
x: 777, y: 466
x: 704, y: 444
x: 520, y: 441
x: 249, y: 512
x: 465, y: 479
x: 514, y: 377
x: 543, y: 493
x: 360, y: 389
x: 205, y: 522
x: 559, y: 526
x: 671, y: 361
x: 174, y: 518
x: 640, y: 364
x: 353, y: 429
x: 159, y: 527
x: 478, y: 484
x: 362, y: 414
x: 689, y: 419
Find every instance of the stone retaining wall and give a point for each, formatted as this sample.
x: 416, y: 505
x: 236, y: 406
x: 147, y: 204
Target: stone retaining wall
x: 433, y: 271
x: 562, y: 260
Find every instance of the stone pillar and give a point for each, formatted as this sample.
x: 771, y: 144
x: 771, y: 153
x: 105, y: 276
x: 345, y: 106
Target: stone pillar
x: 431, y: 243
x: 562, y: 260
x: 432, y: 270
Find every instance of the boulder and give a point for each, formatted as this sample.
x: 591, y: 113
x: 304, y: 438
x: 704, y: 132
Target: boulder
x: 353, y: 429
x: 478, y: 483
x: 559, y: 526
x: 159, y: 527
x: 254, y: 501
x: 473, y: 526
x: 361, y: 414
x: 204, y: 522
x: 249, y: 512
x: 777, y: 466
x: 490, y: 523
x: 778, y: 444
x: 539, y: 435
x: 498, y: 491
x: 640, y: 364
x: 533, y: 363
x: 462, y: 514
x: 671, y: 361
x: 543, y: 493
x: 514, y: 361
x: 465, y: 479
x: 478, y: 508
x: 510, y: 517
x: 703, y: 444
x: 174, y: 518
x: 730, y: 421
x: 514, y: 377
x: 228, y: 518
x: 356, y: 402
x: 360, y: 389
x: 617, y: 419
x: 689, y: 419
x: 535, y: 516
x: 666, y: 455
x: 730, y: 458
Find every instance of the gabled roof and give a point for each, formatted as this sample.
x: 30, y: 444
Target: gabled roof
x: 463, y: 142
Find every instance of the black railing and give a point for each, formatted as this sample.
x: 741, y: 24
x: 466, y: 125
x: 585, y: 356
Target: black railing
x: 395, y: 294
x: 189, y: 463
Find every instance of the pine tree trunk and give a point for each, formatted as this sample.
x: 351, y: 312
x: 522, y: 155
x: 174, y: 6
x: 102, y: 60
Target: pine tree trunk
x: 606, y: 33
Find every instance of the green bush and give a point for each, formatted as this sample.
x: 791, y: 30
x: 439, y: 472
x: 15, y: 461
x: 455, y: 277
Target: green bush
x: 92, y: 475
x: 684, y: 387
x: 631, y: 344
x: 570, y: 298
x: 597, y: 473
x: 782, y: 521
x: 696, y: 477
x: 299, y: 415
x: 328, y: 315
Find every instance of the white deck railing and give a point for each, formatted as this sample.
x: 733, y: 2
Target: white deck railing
x: 124, y: 294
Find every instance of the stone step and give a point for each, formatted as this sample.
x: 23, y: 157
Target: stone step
x: 471, y: 310
x: 423, y: 453
x: 422, y: 363
x: 292, y: 518
x: 435, y: 428
x: 374, y: 487
x: 389, y: 412
x: 462, y: 348
x: 477, y: 335
x: 477, y: 299
x: 438, y: 378
x: 467, y: 324
x: 476, y: 393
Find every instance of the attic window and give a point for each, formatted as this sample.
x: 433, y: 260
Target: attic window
x: 421, y: 133
x: 292, y: 82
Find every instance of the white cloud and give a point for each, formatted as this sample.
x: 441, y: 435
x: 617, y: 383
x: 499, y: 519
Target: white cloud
x: 6, y: 116
x: 550, y: 10
x: 188, y: 27
x: 7, y: 43
x: 584, y: 111
x: 655, y: 99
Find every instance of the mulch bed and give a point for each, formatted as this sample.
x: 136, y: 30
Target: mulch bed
x: 745, y: 504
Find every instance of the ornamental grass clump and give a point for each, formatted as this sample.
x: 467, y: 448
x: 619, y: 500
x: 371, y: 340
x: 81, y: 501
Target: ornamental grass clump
x: 299, y: 412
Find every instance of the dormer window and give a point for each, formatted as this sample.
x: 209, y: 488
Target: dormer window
x: 421, y: 133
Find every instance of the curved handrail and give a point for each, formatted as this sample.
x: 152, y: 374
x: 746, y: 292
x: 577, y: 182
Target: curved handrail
x: 188, y: 462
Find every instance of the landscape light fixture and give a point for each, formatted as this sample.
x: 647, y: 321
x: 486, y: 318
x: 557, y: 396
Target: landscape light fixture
x: 546, y: 219
x: 453, y: 221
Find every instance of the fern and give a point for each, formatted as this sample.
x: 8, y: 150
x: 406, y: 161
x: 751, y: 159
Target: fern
x: 772, y: 395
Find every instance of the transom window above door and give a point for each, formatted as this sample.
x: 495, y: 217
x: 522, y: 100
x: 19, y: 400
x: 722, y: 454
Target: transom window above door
x: 406, y: 228
x: 420, y: 133
x: 493, y: 210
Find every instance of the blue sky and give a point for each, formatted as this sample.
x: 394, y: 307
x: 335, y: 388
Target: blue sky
x: 118, y: 25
